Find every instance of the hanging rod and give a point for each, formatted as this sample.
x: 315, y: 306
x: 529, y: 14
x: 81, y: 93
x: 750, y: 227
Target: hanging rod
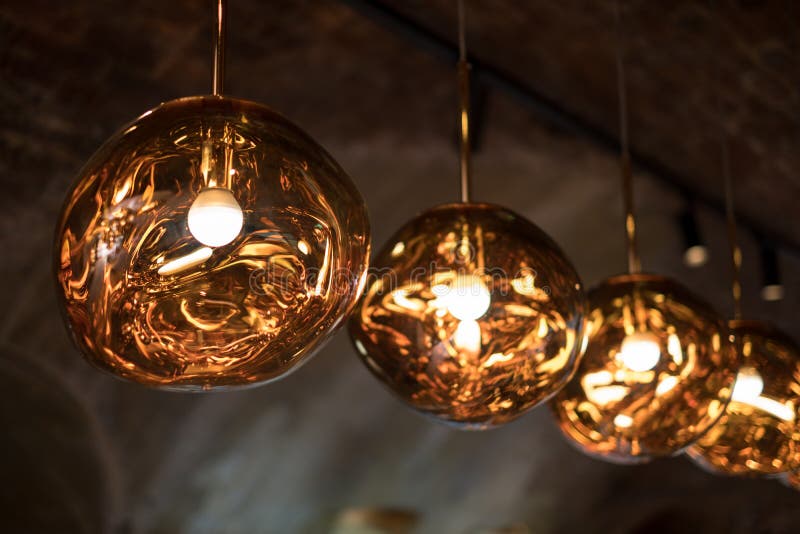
x: 551, y: 111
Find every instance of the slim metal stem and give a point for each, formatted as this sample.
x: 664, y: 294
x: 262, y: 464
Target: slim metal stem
x: 219, y: 48
x: 463, y: 91
x: 634, y: 263
x: 725, y: 156
x: 730, y: 214
x: 462, y: 39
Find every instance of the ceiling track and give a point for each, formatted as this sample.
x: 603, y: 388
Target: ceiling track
x: 555, y: 114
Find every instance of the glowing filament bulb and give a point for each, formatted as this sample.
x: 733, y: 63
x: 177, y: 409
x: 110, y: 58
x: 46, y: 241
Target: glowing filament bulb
x: 640, y: 352
x: 467, y: 336
x: 748, y: 386
x: 468, y: 298
x: 215, y: 218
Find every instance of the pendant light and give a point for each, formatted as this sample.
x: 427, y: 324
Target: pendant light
x: 210, y: 243
x: 478, y: 315
x: 657, y: 371
x: 759, y: 432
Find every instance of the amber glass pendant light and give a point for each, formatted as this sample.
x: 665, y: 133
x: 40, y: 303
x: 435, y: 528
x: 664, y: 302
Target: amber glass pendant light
x: 477, y: 315
x: 758, y: 434
x: 658, y: 369
x: 210, y: 243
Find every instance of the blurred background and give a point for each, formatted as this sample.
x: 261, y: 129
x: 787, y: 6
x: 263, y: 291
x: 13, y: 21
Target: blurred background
x: 328, y: 449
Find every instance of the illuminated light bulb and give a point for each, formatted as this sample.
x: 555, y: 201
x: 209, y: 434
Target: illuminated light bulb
x: 419, y: 328
x: 772, y: 292
x: 468, y: 298
x: 168, y: 305
x: 468, y: 336
x: 215, y: 218
x: 640, y: 351
x: 748, y: 386
x: 668, y: 404
x: 695, y: 256
x: 757, y: 434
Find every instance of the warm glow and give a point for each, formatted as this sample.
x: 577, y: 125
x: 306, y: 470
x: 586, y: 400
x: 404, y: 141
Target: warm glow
x: 666, y: 385
x: 467, y: 298
x: 467, y: 336
x: 215, y: 218
x: 674, y: 348
x: 185, y: 262
x: 607, y: 394
x: 207, y: 268
x: 623, y: 421
x: 599, y: 388
x: 695, y: 256
x: 748, y: 386
x: 481, y: 349
x: 772, y: 292
x: 400, y: 297
x: 747, y: 390
x: 640, y: 351
x: 774, y: 408
x: 398, y: 249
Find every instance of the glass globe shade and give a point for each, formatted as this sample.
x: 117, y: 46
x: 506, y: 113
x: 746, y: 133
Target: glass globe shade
x: 209, y: 244
x: 657, y: 372
x: 472, y: 315
x: 759, y: 432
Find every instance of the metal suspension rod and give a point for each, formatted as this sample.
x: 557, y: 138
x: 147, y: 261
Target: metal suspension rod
x: 218, y: 80
x: 634, y: 263
x: 730, y: 215
x: 463, y: 92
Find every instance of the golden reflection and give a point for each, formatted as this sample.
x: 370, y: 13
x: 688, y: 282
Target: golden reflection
x: 758, y: 433
x: 457, y: 327
x: 211, y: 244
x: 654, y: 375
x: 186, y: 261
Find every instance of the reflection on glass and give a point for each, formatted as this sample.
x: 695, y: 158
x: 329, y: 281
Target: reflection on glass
x: 477, y: 315
x: 748, y: 386
x: 656, y: 373
x: 758, y: 434
x: 211, y: 244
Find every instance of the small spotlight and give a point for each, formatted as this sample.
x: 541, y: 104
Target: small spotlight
x: 771, y: 285
x: 695, y: 256
x: 695, y: 252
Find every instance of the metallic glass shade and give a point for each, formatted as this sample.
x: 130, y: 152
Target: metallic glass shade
x: 758, y: 433
x: 209, y: 244
x: 474, y: 315
x: 657, y: 372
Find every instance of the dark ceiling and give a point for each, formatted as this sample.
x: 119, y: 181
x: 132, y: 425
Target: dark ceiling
x: 86, y: 453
